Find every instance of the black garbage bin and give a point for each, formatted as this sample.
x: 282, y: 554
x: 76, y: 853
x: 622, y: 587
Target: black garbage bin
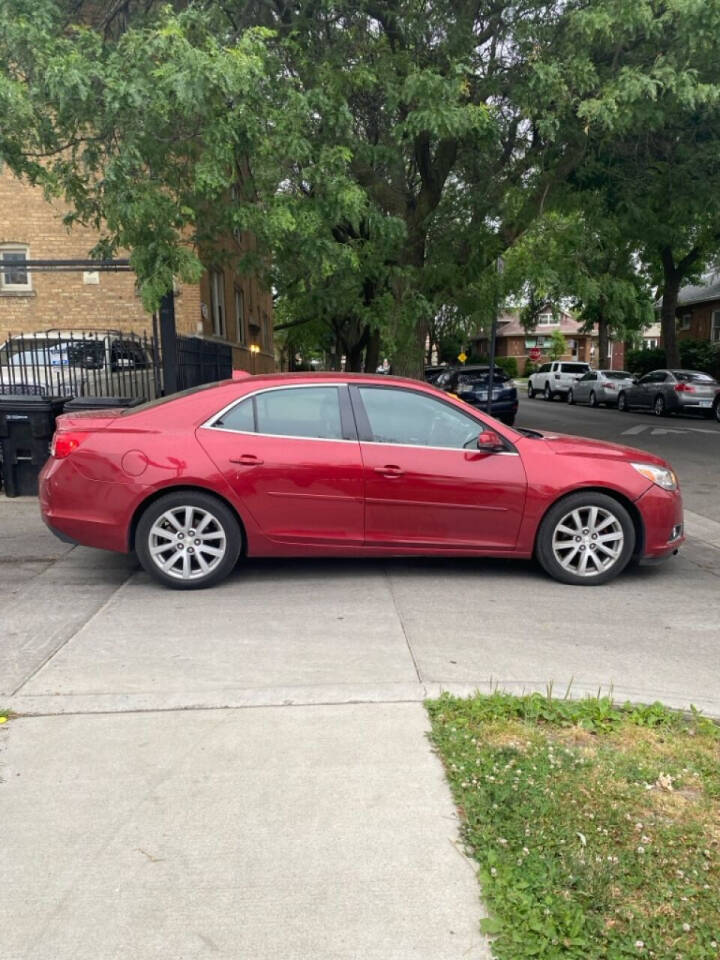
x: 101, y: 403
x: 27, y: 424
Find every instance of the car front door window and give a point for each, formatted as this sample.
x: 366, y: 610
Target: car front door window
x: 411, y: 419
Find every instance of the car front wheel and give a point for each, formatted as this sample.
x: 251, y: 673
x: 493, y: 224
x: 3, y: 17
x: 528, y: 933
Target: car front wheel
x: 716, y: 410
x: 622, y: 403
x: 188, y: 540
x: 585, y: 539
x: 571, y: 397
x: 547, y: 392
x: 531, y: 392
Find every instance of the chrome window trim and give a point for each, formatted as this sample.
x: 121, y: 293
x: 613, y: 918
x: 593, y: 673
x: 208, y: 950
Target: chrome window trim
x: 209, y: 423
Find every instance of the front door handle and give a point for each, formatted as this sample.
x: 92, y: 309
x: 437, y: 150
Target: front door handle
x: 247, y: 460
x: 389, y: 470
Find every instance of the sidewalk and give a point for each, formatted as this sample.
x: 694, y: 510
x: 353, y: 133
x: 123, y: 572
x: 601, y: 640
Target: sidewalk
x: 244, y: 773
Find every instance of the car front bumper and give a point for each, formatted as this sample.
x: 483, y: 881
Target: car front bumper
x: 662, y: 516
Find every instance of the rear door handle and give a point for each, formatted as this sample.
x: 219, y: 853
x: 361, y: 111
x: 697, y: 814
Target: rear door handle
x: 389, y: 470
x: 247, y: 460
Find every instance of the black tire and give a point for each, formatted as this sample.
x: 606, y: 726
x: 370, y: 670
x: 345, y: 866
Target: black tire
x: 531, y: 392
x: 659, y: 408
x: 571, y: 397
x: 716, y: 410
x: 580, y: 501
x: 223, y: 524
x: 593, y: 399
x: 622, y: 403
x: 547, y: 392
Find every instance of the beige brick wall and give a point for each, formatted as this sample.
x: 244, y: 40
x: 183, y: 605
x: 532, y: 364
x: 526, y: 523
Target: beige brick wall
x: 65, y: 301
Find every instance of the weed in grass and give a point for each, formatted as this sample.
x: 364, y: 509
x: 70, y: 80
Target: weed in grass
x: 596, y: 827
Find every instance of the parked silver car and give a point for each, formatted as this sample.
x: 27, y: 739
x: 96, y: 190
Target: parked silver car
x: 671, y: 391
x: 600, y: 386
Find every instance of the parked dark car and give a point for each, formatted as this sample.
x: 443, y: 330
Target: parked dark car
x: 431, y: 373
x: 671, y: 391
x: 471, y: 385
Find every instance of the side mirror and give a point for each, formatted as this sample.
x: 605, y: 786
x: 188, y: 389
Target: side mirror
x: 635, y: 381
x: 490, y: 442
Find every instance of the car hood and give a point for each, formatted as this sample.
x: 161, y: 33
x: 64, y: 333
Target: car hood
x: 566, y: 445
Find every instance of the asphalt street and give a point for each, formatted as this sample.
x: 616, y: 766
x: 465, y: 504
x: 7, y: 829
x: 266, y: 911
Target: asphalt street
x: 690, y: 444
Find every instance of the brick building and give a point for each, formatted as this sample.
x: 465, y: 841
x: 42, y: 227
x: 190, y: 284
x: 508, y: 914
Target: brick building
x: 513, y: 341
x: 698, y: 311
x: 225, y: 305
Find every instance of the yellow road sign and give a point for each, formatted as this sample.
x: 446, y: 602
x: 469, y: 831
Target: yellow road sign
x: 462, y: 357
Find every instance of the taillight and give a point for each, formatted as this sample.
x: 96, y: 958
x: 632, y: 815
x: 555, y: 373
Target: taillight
x: 63, y: 444
x: 684, y: 388
x: 610, y: 386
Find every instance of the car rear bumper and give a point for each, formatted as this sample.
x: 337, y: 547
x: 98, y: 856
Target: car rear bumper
x: 80, y: 510
x: 501, y: 407
x: 662, y: 515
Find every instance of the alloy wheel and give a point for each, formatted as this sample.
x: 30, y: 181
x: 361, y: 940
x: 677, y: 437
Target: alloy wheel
x: 187, y: 542
x: 547, y: 392
x: 593, y: 399
x: 588, y: 541
x: 659, y: 406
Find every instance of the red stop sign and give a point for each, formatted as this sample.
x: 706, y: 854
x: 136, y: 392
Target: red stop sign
x: 535, y: 353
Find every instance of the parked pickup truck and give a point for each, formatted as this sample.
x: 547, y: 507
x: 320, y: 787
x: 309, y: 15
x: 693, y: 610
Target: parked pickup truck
x: 555, y: 379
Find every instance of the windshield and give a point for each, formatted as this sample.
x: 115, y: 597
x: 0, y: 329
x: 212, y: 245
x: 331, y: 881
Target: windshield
x: 616, y: 375
x: 483, y: 376
x: 574, y: 367
x: 159, y: 401
x: 533, y: 434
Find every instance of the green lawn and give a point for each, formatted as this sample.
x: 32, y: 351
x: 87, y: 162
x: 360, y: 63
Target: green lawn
x: 596, y: 828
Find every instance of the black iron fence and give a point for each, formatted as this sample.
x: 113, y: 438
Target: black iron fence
x: 202, y: 361
x: 80, y: 363
x: 104, y: 363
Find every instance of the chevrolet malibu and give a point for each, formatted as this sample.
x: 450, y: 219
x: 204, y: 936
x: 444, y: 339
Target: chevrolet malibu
x: 348, y: 465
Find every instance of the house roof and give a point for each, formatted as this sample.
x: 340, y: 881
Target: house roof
x: 509, y: 325
x: 702, y: 292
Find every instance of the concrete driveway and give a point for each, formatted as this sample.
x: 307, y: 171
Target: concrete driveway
x: 244, y: 772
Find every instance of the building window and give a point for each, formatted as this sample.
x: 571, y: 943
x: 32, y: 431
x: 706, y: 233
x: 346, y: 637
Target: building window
x: 547, y: 320
x: 685, y: 321
x: 715, y: 328
x: 650, y: 344
x: 217, y: 302
x: 14, y: 277
x: 240, y: 315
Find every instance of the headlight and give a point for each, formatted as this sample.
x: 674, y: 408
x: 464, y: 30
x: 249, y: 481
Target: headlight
x: 662, y: 476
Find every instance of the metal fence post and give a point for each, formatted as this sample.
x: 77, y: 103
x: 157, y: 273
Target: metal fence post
x: 168, y: 343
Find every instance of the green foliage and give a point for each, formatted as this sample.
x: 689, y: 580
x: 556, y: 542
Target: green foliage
x: 593, y: 824
x: 508, y: 364
x: 530, y: 368
x: 449, y: 347
x: 701, y: 355
x: 558, y: 345
x: 383, y: 156
x: 643, y: 361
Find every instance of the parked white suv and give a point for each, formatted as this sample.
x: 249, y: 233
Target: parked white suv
x: 555, y: 379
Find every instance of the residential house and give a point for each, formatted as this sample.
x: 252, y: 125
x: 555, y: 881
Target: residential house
x: 513, y: 341
x: 698, y: 310
x: 224, y: 306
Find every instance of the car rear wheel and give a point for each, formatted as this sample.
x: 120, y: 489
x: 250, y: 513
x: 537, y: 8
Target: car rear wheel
x: 716, y: 410
x: 188, y: 540
x: 593, y: 399
x: 547, y: 392
x: 622, y: 403
x: 571, y: 397
x: 585, y: 539
x: 659, y: 406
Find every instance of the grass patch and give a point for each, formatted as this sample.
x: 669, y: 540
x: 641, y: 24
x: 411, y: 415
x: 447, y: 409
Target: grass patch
x: 596, y: 827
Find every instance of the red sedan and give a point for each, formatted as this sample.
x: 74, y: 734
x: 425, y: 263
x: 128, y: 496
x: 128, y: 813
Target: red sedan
x: 348, y: 465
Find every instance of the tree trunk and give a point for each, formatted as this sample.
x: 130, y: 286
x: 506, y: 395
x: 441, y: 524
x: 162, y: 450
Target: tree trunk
x: 372, y: 352
x: 408, y: 358
x: 671, y: 288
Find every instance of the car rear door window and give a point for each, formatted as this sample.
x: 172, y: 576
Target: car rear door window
x: 412, y: 419
x: 241, y: 417
x: 573, y: 367
x: 311, y: 412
